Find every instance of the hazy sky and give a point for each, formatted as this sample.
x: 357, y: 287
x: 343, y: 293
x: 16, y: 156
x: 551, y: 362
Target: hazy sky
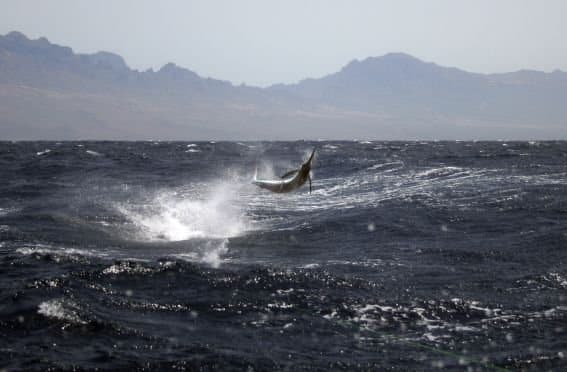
x: 260, y: 42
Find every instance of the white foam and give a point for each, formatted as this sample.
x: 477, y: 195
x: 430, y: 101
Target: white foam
x: 385, y: 165
x: 57, y: 251
x: 6, y: 211
x: 124, y: 268
x: 430, y: 337
x: 280, y: 305
x: 46, y: 151
x: 93, y: 153
x: 440, y: 172
x: 58, y: 309
x: 462, y: 328
x: 557, y: 278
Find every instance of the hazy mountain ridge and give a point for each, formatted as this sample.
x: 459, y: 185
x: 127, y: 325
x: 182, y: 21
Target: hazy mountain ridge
x: 47, y: 62
x: 48, y: 91
x: 399, y: 79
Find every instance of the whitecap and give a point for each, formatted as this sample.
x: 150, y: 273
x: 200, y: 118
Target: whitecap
x: 440, y: 172
x: 126, y: 268
x: 280, y: 305
x: 462, y: 328
x: 93, y: 153
x: 430, y: 337
x: 45, y: 249
x: 387, y: 165
x: 59, y: 309
x: 6, y: 211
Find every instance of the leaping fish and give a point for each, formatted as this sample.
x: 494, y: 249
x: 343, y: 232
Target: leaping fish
x: 290, y: 181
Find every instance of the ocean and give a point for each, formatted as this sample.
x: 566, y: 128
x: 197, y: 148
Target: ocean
x: 163, y: 256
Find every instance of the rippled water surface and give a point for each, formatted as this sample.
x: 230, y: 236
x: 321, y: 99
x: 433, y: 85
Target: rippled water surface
x: 406, y: 256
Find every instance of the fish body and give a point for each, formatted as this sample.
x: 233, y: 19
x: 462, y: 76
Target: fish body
x: 289, y: 181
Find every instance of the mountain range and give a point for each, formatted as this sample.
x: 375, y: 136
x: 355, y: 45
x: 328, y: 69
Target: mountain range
x: 49, y: 92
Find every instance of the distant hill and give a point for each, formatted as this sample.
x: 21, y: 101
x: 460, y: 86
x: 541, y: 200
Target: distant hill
x: 49, y: 92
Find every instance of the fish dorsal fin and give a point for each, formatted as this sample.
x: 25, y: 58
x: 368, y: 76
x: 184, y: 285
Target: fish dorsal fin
x: 290, y: 173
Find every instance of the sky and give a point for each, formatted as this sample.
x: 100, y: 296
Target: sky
x: 262, y: 42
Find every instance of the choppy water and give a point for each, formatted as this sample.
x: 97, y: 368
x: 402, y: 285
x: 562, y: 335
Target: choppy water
x: 406, y: 256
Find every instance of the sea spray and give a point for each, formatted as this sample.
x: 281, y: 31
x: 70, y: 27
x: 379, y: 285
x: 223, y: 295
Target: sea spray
x: 205, y: 214
x: 184, y: 215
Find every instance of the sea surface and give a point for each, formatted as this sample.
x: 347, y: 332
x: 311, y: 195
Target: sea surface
x: 163, y: 255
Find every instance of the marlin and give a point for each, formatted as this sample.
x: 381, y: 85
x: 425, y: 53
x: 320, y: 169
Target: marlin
x: 290, y: 181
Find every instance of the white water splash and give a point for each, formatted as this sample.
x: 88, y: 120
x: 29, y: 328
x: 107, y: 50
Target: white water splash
x: 209, y: 252
x: 176, y: 216
x: 267, y: 171
x: 203, y: 215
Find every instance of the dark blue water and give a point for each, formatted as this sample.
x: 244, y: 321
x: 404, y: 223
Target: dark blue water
x: 406, y: 256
